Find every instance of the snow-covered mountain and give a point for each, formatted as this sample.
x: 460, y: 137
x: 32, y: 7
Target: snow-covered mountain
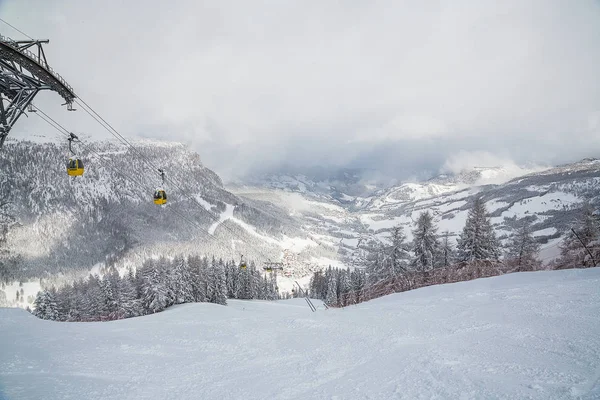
x: 62, y: 224
x: 519, y: 336
x: 550, y: 197
x: 59, y: 224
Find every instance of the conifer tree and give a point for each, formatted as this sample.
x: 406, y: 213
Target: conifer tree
x: 154, y: 290
x: 391, y: 261
x: 129, y: 304
x: 523, y: 249
x: 478, y: 240
x: 45, y: 305
x: 447, y: 252
x: 332, y: 296
x: 426, y: 246
x: 344, y: 288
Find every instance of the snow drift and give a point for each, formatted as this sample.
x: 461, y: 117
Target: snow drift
x: 526, y: 335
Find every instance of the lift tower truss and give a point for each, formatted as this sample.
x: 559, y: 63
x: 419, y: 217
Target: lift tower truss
x: 24, y: 72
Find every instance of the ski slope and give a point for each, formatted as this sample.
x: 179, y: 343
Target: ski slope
x: 519, y: 336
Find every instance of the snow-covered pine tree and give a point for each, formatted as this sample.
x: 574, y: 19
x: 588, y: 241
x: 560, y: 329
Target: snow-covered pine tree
x: 92, y: 300
x: 129, y: 304
x: 254, y: 281
x: 220, y: 285
x: 273, y: 293
x: 231, y: 277
x: 78, y: 296
x: 389, y: 262
x: 332, y: 298
x: 65, y: 302
x: 39, y: 304
x: 478, y: 240
x: 181, y: 279
x: 109, y: 286
x: 523, y: 249
x: 426, y: 246
x: 198, y: 278
x: 211, y: 287
x: 358, y: 282
x: 447, y: 252
x: 344, y: 288
x: 154, y: 290
x: 45, y: 305
x: 244, y: 289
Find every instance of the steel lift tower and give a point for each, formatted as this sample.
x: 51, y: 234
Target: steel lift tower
x: 24, y: 71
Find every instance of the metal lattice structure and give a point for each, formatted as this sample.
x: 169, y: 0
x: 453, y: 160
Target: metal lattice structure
x: 23, y: 74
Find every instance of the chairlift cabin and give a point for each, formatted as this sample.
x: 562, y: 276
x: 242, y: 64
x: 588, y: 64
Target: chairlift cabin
x: 160, y: 197
x: 74, y: 164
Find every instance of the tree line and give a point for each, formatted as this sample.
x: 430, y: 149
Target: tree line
x: 432, y: 258
x: 158, y: 284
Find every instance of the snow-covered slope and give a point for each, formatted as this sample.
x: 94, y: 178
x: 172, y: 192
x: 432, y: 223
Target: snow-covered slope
x: 527, y: 335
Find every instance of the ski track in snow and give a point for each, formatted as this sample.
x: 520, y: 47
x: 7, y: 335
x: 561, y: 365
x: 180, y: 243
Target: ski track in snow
x: 527, y: 335
x: 225, y: 215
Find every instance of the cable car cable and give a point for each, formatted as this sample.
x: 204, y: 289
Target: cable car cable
x: 81, y: 103
x: 66, y: 133
x: 90, y: 111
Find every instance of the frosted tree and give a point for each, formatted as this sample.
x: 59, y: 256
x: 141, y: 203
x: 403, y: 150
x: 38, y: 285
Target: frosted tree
x: 109, y: 287
x: 273, y: 292
x: 66, y: 302
x: 198, y: 269
x: 478, y: 240
x: 217, y: 292
x: 358, y: 281
x: 332, y: 290
x: 426, y: 246
x: 93, y: 302
x: 573, y: 249
x: 181, y: 282
x: 247, y: 287
x: 523, y: 249
x: 318, y: 285
x: 390, y: 261
x: 45, y: 305
x: 129, y: 304
x: 254, y: 281
x: 447, y: 252
x: 153, y: 288
x: 344, y: 288
x: 231, y: 277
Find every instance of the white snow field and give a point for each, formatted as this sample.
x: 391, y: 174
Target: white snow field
x: 520, y: 336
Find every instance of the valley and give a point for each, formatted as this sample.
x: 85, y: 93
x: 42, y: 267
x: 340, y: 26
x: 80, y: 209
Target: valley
x: 306, y: 224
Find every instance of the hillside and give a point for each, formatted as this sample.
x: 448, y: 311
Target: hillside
x: 550, y: 198
x: 61, y: 224
x: 63, y: 227
x: 525, y: 335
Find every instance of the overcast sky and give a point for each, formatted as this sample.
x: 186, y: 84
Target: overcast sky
x: 399, y: 86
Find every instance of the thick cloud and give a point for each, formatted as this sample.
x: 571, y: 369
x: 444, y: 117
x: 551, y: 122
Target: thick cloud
x: 402, y: 86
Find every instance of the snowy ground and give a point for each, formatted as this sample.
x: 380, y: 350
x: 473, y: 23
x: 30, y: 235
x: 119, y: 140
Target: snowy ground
x: 529, y: 335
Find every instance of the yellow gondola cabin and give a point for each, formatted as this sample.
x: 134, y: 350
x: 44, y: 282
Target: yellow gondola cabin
x: 75, y: 167
x: 160, y: 197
